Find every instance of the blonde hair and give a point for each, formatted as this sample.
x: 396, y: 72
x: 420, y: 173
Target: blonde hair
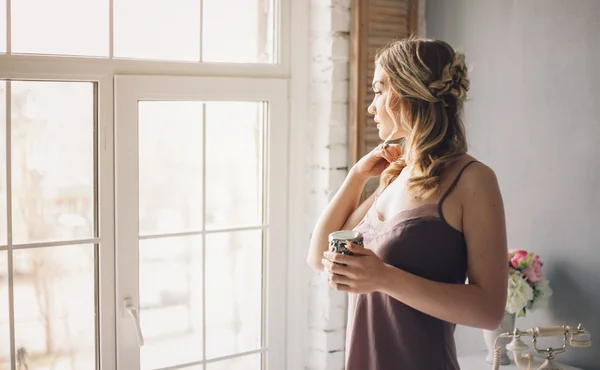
x: 428, y: 84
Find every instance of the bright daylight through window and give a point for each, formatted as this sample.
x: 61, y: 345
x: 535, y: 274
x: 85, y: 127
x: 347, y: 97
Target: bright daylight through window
x: 235, y: 31
x: 179, y: 236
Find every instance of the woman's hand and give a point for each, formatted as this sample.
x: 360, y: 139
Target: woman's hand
x: 376, y: 161
x: 362, y: 272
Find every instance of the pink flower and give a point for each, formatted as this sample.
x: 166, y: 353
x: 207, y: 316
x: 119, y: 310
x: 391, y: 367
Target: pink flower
x: 518, y: 257
x: 533, y: 273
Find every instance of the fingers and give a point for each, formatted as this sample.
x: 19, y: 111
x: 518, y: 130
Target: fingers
x: 340, y: 258
x: 390, y: 152
x: 336, y: 268
x: 340, y: 287
x: 396, y: 151
x: 339, y: 279
x: 386, y: 155
x: 358, y: 250
x: 339, y: 273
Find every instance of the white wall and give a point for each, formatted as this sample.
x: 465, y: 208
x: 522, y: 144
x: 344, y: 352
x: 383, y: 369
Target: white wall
x: 534, y: 117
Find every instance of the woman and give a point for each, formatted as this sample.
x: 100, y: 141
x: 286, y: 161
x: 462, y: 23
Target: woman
x: 436, y: 218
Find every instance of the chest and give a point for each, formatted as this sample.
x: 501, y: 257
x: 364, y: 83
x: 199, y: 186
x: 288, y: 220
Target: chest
x: 396, y: 198
x: 421, y: 245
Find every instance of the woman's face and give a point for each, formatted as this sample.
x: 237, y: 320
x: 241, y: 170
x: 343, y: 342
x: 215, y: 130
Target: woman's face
x: 385, y: 124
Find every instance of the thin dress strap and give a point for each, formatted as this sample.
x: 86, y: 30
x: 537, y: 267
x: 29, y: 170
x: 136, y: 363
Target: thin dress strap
x: 451, y: 187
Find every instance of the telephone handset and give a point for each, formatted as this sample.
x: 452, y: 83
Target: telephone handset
x: 579, y: 338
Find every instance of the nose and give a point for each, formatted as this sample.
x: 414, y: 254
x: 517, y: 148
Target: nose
x: 371, y: 108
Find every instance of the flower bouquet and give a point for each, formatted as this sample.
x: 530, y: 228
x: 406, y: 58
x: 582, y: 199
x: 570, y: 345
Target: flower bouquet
x: 528, y: 290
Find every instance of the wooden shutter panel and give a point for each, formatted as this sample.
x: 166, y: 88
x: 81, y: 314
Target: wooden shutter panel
x: 376, y: 23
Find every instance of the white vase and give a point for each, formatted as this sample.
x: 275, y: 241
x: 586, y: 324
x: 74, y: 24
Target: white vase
x: 507, y: 325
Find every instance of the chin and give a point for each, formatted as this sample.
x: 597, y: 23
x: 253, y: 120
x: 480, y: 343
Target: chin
x: 384, y: 134
x: 386, y: 131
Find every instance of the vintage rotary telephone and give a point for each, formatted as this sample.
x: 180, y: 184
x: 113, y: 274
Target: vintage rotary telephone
x: 579, y: 338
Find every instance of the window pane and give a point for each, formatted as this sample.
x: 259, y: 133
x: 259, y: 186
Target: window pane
x: 170, y: 147
x: 4, y: 319
x: 69, y: 27
x: 3, y: 21
x: 54, y: 307
x: 233, y: 164
x: 171, y: 301
x: 52, y: 161
x: 238, y: 31
x: 3, y: 230
x: 233, y: 292
x: 251, y: 362
x: 153, y: 29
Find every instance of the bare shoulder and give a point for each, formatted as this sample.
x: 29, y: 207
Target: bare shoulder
x: 478, y: 179
x: 478, y: 192
x: 469, y: 190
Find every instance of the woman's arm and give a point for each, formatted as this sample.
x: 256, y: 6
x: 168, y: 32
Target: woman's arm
x: 482, y: 302
x: 342, y: 213
x: 359, y: 213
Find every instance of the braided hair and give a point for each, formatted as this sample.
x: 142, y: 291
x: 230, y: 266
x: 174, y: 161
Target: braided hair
x: 429, y: 83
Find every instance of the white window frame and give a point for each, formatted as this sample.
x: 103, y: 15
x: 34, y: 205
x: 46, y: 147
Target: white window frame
x: 293, y: 66
x: 114, y: 66
x: 298, y: 231
x: 132, y: 89
x: 106, y: 236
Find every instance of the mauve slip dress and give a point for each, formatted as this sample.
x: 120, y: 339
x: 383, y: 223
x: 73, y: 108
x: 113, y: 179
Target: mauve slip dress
x: 384, y: 333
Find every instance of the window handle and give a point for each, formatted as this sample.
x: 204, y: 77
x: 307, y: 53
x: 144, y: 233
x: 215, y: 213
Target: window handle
x: 133, y: 312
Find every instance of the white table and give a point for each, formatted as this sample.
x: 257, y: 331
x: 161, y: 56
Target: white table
x: 477, y: 362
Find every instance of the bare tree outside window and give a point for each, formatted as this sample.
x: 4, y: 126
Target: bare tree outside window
x: 52, y: 198
x: 53, y: 191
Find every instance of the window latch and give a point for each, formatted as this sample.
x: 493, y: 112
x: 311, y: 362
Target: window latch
x: 133, y: 313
